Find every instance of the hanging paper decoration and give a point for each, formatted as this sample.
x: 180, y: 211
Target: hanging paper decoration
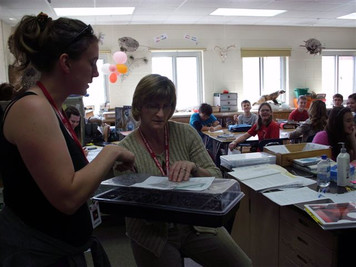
x: 191, y: 38
x: 313, y: 46
x: 119, y: 68
x: 161, y: 37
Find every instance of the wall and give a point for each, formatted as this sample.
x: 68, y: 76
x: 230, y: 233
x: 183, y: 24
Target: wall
x: 304, y: 69
x: 5, y: 30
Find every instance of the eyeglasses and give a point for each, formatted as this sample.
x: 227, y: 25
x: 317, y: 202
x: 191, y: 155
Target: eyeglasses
x: 265, y: 110
x: 154, y: 108
x: 88, y: 30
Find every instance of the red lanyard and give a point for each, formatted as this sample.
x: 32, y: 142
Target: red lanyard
x: 62, y: 116
x: 153, y: 155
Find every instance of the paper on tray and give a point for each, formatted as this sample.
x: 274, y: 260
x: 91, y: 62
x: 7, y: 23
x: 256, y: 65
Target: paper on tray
x: 161, y: 182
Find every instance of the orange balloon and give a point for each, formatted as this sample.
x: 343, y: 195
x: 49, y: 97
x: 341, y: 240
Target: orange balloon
x: 113, y: 77
x: 121, y: 68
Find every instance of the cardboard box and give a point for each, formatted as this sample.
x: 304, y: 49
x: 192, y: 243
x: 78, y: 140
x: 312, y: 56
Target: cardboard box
x: 286, y: 153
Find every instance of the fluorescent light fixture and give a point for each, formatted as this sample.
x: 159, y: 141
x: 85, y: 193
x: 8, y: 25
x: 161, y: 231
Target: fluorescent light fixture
x: 246, y: 12
x: 349, y: 16
x: 94, y: 11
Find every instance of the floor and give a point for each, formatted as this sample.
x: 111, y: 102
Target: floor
x: 111, y: 234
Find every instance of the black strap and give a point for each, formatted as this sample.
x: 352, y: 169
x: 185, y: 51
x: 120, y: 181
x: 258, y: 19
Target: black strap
x: 14, y: 101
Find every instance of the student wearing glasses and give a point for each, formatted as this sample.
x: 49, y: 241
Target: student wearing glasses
x: 265, y: 127
x: 166, y: 148
x: 47, y: 179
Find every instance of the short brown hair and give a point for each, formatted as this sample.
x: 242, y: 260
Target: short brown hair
x: 150, y: 88
x: 302, y: 97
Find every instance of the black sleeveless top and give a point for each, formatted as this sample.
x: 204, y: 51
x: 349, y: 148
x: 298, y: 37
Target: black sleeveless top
x: 26, y: 200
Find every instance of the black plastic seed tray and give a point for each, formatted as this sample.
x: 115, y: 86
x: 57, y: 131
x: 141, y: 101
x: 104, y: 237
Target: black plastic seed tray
x: 213, y: 207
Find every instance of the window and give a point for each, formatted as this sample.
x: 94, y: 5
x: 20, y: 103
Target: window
x: 185, y: 70
x: 338, y: 75
x: 263, y: 75
x: 97, y: 92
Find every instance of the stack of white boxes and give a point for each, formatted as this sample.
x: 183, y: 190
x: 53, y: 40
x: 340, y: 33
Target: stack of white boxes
x: 226, y: 102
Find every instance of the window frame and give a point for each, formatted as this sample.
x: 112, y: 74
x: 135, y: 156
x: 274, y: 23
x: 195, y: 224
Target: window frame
x: 336, y: 71
x: 283, y: 74
x: 174, y: 54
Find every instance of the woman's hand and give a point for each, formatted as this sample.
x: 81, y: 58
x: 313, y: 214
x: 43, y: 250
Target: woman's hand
x: 180, y: 171
x: 125, y: 160
x: 232, y: 145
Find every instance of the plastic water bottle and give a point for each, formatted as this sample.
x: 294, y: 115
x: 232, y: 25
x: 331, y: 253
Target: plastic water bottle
x: 323, y: 176
x: 343, y: 167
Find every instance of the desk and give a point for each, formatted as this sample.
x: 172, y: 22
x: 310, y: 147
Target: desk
x: 222, y: 143
x: 273, y: 235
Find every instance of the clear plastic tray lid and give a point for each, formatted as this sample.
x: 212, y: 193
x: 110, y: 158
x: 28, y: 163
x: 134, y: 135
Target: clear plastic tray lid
x: 218, y: 198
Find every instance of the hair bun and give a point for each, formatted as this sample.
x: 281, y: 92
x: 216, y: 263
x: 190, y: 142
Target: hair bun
x: 42, y: 20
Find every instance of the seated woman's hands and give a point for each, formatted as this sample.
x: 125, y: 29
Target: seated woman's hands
x: 181, y: 170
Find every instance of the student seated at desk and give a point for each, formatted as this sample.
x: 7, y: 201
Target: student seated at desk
x: 315, y: 123
x: 265, y: 127
x: 340, y: 128
x: 247, y: 117
x: 204, y: 120
x: 299, y: 114
x: 167, y: 148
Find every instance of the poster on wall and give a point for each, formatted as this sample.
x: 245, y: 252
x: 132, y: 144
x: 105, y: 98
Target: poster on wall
x: 124, y: 120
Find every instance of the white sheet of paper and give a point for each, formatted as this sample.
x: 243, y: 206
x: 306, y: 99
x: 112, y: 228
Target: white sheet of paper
x: 161, y: 182
x: 252, y: 172
x: 268, y: 176
x: 217, y: 131
x: 341, y: 198
x: 294, y: 196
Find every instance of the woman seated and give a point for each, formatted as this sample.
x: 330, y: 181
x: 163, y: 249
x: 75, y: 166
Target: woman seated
x: 315, y: 123
x: 175, y: 150
x: 265, y: 127
x: 339, y: 128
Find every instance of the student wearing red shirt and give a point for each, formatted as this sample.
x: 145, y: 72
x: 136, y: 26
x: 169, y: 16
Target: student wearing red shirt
x: 300, y: 114
x: 265, y: 127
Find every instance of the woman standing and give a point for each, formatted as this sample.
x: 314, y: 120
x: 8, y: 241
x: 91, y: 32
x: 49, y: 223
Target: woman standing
x: 167, y: 148
x: 47, y: 178
x: 265, y: 127
x: 340, y: 128
x: 315, y: 123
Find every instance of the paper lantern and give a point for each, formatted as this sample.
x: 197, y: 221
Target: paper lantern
x: 119, y: 57
x: 121, y: 68
x: 113, y: 77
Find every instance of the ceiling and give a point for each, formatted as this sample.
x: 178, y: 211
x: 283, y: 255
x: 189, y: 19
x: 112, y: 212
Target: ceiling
x: 314, y: 13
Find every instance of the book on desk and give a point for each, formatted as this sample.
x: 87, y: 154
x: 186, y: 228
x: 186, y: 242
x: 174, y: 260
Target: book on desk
x: 333, y: 215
